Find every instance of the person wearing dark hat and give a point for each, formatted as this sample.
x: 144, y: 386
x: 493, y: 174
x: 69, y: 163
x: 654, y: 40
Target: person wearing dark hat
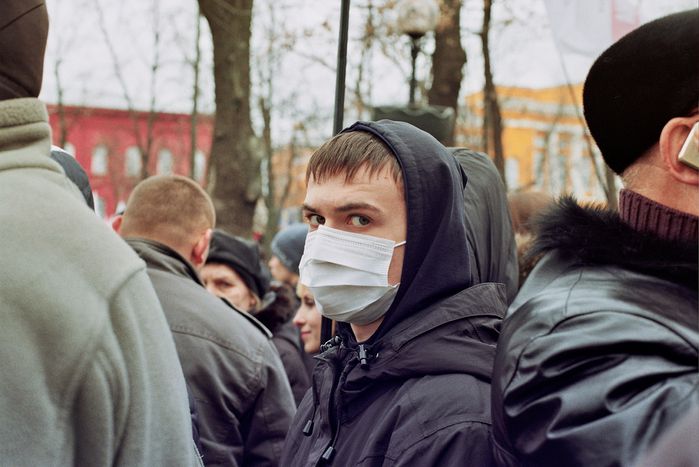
x: 234, y: 271
x: 287, y: 249
x: 90, y: 375
x: 598, y: 356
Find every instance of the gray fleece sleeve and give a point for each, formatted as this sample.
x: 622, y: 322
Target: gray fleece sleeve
x: 131, y: 407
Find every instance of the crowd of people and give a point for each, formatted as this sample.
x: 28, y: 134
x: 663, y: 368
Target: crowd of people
x: 468, y: 327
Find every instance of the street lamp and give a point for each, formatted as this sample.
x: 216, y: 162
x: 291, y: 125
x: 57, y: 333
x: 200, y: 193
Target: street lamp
x: 416, y: 18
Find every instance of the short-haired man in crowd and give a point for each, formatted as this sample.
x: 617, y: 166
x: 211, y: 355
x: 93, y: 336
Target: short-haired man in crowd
x: 90, y: 375
x: 242, y: 396
x: 407, y: 378
x: 598, y: 355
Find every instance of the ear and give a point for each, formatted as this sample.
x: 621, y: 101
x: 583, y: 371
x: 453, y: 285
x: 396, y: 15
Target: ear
x: 116, y: 223
x: 200, y: 250
x: 673, y: 136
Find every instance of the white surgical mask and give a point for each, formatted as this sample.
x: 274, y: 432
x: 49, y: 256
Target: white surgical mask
x: 348, y: 274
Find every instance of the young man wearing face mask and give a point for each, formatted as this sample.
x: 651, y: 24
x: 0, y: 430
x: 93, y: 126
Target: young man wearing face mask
x: 407, y: 376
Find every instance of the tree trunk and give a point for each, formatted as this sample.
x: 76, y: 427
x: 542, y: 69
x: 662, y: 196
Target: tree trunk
x: 492, y: 119
x: 234, y: 176
x: 193, y: 121
x: 448, y: 59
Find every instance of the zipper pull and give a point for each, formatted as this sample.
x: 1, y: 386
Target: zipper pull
x: 362, y: 357
x: 308, y: 428
x: 328, y: 455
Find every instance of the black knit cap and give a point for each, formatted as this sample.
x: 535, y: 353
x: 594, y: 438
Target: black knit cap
x: 24, y: 28
x: 243, y: 256
x: 637, y: 85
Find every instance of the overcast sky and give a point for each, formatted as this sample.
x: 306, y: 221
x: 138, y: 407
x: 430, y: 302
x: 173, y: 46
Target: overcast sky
x: 87, y: 48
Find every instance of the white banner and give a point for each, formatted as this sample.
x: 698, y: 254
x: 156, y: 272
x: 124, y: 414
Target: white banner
x: 588, y: 27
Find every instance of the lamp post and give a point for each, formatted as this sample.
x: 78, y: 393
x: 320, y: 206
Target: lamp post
x: 416, y: 18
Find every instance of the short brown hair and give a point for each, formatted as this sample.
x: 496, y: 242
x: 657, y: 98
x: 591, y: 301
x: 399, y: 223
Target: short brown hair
x: 168, y: 208
x: 347, y: 153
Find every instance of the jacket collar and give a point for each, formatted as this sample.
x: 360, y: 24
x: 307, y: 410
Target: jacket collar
x: 163, y: 258
x: 594, y: 236
x: 431, y: 342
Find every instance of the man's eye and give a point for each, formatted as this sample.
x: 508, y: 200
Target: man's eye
x: 315, y: 219
x: 359, y: 221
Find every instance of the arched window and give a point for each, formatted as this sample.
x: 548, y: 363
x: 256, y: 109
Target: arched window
x: 100, y: 205
x: 512, y: 173
x: 165, y: 162
x: 132, y: 161
x: 99, y: 163
x: 199, y: 165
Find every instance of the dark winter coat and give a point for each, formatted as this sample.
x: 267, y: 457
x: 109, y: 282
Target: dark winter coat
x: 277, y: 318
x: 418, y: 390
x: 243, y: 399
x: 288, y: 343
x: 491, y: 239
x: 598, y: 355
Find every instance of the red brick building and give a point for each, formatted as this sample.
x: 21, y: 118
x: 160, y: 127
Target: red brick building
x: 106, y: 143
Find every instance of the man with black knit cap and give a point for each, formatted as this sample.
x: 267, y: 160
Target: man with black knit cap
x: 407, y: 379
x: 598, y: 355
x: 233, y: 271
x: 90, y: 375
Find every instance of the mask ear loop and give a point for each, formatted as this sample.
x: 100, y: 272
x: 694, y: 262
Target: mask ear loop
x: 326, y: 324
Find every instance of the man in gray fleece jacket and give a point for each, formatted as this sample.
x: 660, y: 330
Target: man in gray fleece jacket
x: 90, y: 375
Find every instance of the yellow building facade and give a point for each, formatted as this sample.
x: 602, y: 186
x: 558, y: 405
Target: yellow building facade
x: 546, y: 145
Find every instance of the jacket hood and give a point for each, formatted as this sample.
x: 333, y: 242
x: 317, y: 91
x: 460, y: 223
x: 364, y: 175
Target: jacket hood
x: 280, y: 310
x: 436, y: 262
x: 491, y: 238
x: 594, y: 236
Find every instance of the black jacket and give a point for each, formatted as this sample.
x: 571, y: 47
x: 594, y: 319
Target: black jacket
x: 288, y: 343
x: 418, y: 389
x: 491, y: 239
x: 277, y: 317
x: 598, y: 354
x: 243, y: 399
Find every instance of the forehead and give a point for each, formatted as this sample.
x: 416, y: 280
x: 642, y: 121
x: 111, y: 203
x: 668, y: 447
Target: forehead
x: 378, y: 188
x: 220, y: 270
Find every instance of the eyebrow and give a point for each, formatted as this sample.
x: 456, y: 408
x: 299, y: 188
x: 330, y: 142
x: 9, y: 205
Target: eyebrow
x: 345, y: 207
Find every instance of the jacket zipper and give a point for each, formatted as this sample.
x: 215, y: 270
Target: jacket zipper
x: 329, y: 453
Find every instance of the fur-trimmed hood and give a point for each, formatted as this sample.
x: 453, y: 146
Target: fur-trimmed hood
x: 596, y: 236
